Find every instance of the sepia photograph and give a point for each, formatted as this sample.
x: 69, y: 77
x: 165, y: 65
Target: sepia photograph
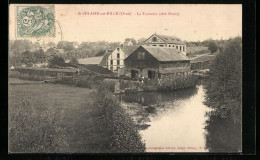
x: 125, y: 78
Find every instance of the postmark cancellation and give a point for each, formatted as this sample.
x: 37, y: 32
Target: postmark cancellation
x: 35, y: 21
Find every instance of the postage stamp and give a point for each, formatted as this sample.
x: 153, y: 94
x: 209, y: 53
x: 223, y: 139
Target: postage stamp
x: 35, y: 21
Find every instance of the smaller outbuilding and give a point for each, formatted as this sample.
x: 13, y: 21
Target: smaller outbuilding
x: 202, y: 62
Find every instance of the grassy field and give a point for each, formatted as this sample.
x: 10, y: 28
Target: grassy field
x: 53, y: 118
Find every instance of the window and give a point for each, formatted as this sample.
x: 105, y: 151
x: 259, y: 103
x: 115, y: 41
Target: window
x: 161, y: 45
x: 154, y: 39
x: 154, y: 45
x: 173, y: 46
x: 141, y: 55
x: 169, y: 45
x: 184, y: 48
x: 118, y: 49
x: 111, y: 68
x: 177, y: 47
x: 151, y: 74
x: 111, y: 62
x: 180, y: 48
x: 118, y: 55
x: 134, y: 74
x: 118, y: 62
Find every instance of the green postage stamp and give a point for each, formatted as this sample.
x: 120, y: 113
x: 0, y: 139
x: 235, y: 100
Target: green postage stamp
x: 35, y: 21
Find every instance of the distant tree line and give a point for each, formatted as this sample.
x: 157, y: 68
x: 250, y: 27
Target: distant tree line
x: 28, y: 53
x: 213, y: 45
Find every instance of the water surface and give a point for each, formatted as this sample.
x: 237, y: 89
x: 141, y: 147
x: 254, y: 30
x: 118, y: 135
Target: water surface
x: 177, y: 124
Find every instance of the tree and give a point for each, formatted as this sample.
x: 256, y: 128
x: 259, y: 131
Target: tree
x: 67, y: 46
x: 212, y: 47
x: 223, y: 87
x: 101, y: 53
x: 39, y: 56
x: 73, y: 60
x: 51, y: 45
x: 36, y: 45
x: 56, y: 61
x: 141, y: 40
x: 19, y: 46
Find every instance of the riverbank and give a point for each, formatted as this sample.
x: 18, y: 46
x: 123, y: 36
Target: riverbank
x: 53, y: 118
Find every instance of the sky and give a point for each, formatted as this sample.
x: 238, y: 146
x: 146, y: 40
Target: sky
x: 189, y: 22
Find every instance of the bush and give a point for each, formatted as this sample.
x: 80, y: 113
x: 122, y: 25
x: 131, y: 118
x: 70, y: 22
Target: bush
x: 56, y: 61
x: 81, y: 81
x: 74, y: 60
x: 32, y: 77
x: 30, y: 131
x: 213, y: 47
x: 180, y: 82
x: 223, y: 86
x: 14, y: 74
x: 30, y: 64
x: 123, y: 135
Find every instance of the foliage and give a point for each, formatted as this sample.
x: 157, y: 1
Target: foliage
x: 223, y: 87
x: 68, y: 46
x: 101, y: 53
x: 27, y: 57
x: 177, y: 83
x: 56, y: 61
x: 141, y: 40
x: 19, y: 46
x: 122, y: 134
x: 132, y: 40
x: 223, y: 134
x: 13, y: 73
x: 91, y: 82
x: 30, y: 133
x: 74, y: 60
x: 212, y: 47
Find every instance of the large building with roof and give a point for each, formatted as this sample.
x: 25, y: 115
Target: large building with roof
x: 157, y: 40
x: 153, y: 63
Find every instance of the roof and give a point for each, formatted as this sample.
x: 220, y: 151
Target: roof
x: 169, y: 39
x: 202, y: 58
x: 104, y: 59
x: 91, y: 60
x: 164, y: 54
x: 129, y: 49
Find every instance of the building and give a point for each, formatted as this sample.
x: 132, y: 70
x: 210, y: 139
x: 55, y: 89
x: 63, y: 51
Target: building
x: 202, y: 62
x: 128, y: 42
x: 157, y: 40
x: 114, y: 59
x: 157, y: 63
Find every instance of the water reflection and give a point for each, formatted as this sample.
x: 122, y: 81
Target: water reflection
x: 150, y: 98
x: 223, y: 135
x: 177, y: 122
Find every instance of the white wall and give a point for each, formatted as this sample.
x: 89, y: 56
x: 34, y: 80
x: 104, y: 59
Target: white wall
x: 114, y: 58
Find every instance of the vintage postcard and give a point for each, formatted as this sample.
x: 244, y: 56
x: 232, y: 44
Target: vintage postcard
x: 125, y: 78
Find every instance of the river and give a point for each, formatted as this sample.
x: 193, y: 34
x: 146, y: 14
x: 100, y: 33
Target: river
x: 177, y: 121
